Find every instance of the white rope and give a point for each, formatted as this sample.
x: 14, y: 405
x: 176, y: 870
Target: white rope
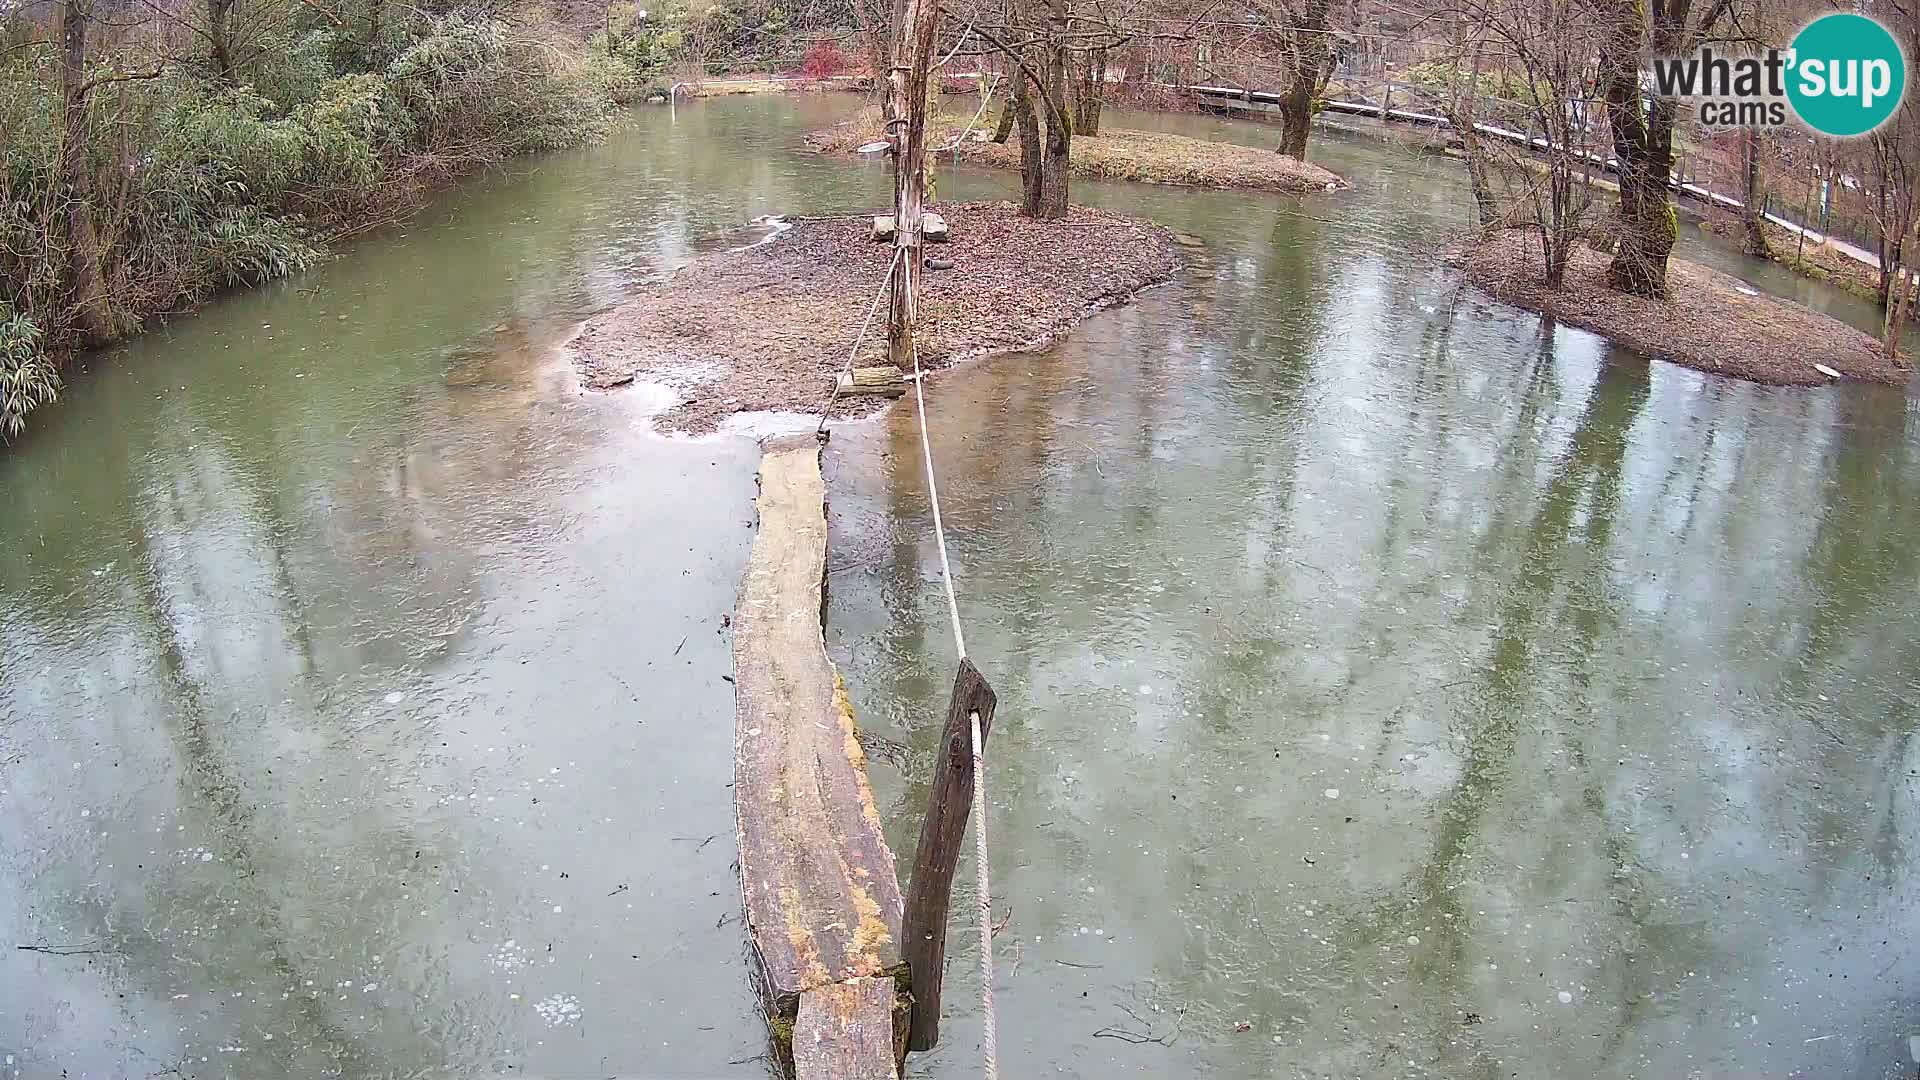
x: 983, y: 885
x: 933, y: 496
x: 977, y: 114
x: 853, y: 353
x: 989, y: 1039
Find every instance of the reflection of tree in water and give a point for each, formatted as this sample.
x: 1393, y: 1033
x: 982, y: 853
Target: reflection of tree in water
x: 230, y: 682
x: 1559, y: 594
x: 213, y: 785
x: 1859, y: 572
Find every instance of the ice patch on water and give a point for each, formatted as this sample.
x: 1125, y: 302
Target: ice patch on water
x: 509, y: 956
x: 558, y: 1010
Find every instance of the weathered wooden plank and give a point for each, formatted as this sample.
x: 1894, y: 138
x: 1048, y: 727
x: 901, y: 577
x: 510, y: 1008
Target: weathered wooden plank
x: 949, y: 800
x: 885, y: 381
x: 822, y: 902
x: 845, y: 1031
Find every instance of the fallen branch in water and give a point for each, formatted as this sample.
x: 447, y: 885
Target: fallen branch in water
x: 86, y: 949
x: 1139, y: 1039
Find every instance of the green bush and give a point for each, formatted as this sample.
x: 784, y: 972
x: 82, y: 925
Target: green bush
x: 478, y: 89
x: 350, y: 130
x: 196, y: 185
x: 27, y: 379
x: 646, y: 44
x: 1443, y: 75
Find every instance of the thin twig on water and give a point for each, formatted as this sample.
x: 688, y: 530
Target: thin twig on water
x: 85, y: 949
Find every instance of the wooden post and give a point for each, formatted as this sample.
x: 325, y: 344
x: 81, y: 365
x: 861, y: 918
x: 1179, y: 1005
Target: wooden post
x: 906, y: 111
x: 949, y: 799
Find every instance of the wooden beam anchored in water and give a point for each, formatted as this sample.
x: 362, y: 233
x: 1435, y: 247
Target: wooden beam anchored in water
x: 846, y: 1030
x: 949, y: 798
x: 822, y: 903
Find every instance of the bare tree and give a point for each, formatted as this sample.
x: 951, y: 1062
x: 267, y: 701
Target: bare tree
x: 1642, y: 127
x: 1753, y: 197
x: 1894, y: 169
x: 1089, y: 86
x: 1305, y: 36
x: 1542, y: 53
x: 91, y: 310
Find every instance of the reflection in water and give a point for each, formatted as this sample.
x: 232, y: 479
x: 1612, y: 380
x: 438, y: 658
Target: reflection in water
x: 1376, y: 666
x: 332, y: 741
x: 1391, y: 684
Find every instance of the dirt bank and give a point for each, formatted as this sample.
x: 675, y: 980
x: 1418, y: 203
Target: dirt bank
x: 767, y: 328
x: 1708, y: 323
x: 1152, y: 157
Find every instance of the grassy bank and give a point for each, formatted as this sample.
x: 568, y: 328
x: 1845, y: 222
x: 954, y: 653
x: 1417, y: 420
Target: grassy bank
x: 1115, y: 154
x: 184, y: 173
x: 1710, y: 320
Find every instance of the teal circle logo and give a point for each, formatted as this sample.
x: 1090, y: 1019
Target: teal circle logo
x: 1848, y: 75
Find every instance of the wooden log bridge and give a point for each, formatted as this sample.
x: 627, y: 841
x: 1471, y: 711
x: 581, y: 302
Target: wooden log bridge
x: 823, y: 905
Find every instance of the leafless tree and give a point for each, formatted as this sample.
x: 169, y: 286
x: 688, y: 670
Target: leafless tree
x: 1893, y: 168
x: 1528, y: 63
x: 1642, y: 127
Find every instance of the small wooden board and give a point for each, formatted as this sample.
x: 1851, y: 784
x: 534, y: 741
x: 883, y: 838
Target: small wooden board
x: 885, y: 381
x: 822, y: 899
x: 846, y: 1032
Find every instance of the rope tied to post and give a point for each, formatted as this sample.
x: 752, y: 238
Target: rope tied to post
x: 983, y: 899
x: 925, y: 921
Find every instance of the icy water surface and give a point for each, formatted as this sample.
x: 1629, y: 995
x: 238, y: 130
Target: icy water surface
x: 362, y: 709
x: 1422, y: 691
x: 1392, y: 685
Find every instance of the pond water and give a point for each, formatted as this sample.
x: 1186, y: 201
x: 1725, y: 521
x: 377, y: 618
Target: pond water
x: 1390, y: 684
x: 1376, y: 666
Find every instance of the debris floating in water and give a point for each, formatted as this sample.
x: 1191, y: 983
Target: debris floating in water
x: 1566, y: 997
x: 395, y: 698
x: 1333, y: 793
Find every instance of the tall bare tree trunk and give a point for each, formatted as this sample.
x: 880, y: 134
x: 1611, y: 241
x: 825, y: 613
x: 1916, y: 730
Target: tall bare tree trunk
x: 1486, y: 206
x: 1310, y: 66
x: 907, y: 107
x: 87, y: 293
x: 1059, y: 135
x: 1090, y: 92
x: 1752, y: 198
x: 1009, y: 107
x: 1643, y: 145
x: 1044, y: 148
x: 1031, y: 151
x: 1901, y: 281
x: 220, y: 38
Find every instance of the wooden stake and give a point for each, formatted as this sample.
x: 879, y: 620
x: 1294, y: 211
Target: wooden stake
x: 949, y: 799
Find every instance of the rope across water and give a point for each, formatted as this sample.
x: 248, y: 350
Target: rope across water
x: 989, y: 1042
